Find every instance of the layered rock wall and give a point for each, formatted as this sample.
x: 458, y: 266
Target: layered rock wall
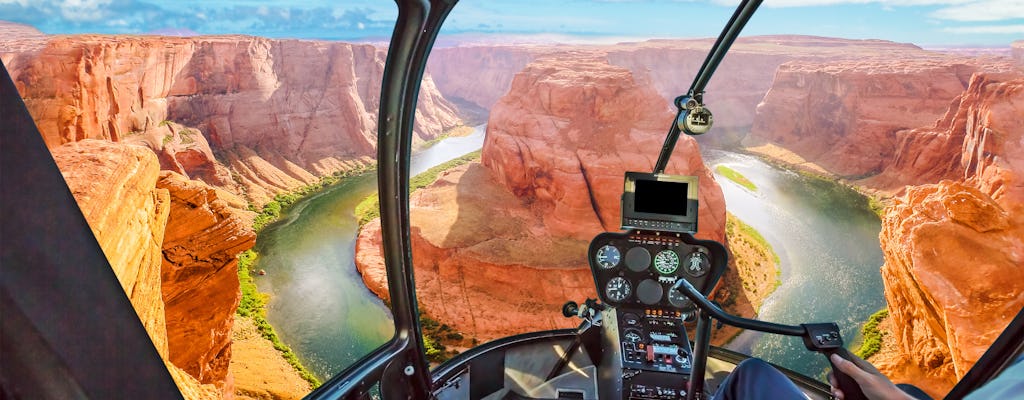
x: 139, y: 220
x: 200, y: 278
x: 278, y: 113
x: 952, y: 249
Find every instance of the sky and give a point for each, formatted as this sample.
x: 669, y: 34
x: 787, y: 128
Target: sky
x: 989, y: 23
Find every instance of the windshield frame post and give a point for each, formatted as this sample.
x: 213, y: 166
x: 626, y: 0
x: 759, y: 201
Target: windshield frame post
x: 417, y: 27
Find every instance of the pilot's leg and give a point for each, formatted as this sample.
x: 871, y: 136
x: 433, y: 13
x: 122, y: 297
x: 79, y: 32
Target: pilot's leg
x: 755, y: 379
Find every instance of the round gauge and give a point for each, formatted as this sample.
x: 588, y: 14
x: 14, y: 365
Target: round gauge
x: 617, y: 289
x: 638, y: 259
x: 666, y: 262
x: 630, y: 319
x: 697, y: 264
x: 632, y: 335
x: 649, y: 291
x: 608, y: 256
x: 679, y: 300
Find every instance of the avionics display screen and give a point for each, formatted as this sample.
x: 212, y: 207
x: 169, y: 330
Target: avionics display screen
x: 658, y: 197
x: 660, y: 202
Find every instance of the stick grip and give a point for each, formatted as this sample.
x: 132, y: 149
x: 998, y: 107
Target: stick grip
x: 851, y: 390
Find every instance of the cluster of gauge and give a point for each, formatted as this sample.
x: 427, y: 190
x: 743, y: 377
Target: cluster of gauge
x: 645, y: 271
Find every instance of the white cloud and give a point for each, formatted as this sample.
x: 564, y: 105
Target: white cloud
x: 84, y: 10
x: 883, y: 3
x: 985, y: 10
x: 987, y: 29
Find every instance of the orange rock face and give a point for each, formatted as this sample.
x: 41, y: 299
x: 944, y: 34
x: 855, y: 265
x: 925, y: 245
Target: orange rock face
x: 115, y: 185
x: 568, y: 130
x: 282, y: 112
x: 499, y: 246
x: 200, y: 281
x: 844, y: 116
x: 953, y: 249
x: 952, y: 279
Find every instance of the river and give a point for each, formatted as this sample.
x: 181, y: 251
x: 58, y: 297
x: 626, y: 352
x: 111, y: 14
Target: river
x: 827, y: 242
x: 318, y: 303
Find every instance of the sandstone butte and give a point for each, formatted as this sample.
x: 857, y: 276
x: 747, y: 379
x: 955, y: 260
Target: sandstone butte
x: 147, y: 222
x: 500, y: 245
x: 279, y: 114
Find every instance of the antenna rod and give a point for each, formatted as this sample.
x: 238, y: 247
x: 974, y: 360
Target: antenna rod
x: 732, y: 30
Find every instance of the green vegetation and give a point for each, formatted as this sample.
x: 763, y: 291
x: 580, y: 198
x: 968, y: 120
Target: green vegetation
x: 455, y: 131
x: 253, y: 305
x: 369, y: 208
x: 872, y: 336
x: 187, y: 136
x: 272, y: 210
x: 435, y: 335
x: 876, y: 204
x: 168, y: 138
x: 164, y: 123
x: 734, y: 225
x: 737, y: 177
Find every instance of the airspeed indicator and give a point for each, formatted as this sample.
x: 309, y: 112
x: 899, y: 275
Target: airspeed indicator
x: 666, y: 262
x: 608, y: 256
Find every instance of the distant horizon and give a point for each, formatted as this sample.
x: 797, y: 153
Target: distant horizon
x: 476, y: 38
x: 926, y: 23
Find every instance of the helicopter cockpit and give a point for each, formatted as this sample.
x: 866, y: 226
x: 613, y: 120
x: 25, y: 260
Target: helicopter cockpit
x: 647, y: 335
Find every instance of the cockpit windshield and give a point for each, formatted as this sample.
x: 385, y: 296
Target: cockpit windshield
x: 861, y: 167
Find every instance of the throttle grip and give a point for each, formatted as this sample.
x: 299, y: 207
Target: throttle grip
x: 851, y: 390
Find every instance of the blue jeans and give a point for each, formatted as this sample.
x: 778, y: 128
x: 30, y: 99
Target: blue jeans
x: 754, y: 379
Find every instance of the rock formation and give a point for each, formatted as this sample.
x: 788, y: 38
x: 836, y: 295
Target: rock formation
x: 563, y: 136
x: 200, y: 278
x: 279, y: 113
x: 115, y: 185
x: 1017, y: 52
x: 500, y: 245
x: 952, y: 249
x: 844, y: 116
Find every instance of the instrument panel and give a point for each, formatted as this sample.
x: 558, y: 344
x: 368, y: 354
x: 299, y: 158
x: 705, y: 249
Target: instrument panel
x: 637, y: 268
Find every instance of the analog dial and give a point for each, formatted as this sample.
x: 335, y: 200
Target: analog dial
x: 618, y: 289
x: 697, y: 264
x: 679, y: 300
x: 666, y: 262
x: 608, y: 256
x: 632, y: 335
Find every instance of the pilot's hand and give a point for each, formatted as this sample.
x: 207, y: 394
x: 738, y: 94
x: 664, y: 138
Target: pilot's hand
x: 874, y: 384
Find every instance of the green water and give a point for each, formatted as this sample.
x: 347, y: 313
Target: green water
x: 319, y: 304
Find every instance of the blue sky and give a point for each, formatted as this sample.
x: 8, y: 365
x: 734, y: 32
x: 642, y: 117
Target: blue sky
x: 923, y: 22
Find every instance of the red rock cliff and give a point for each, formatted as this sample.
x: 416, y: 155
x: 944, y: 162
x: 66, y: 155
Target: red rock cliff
x: 200, y: 279
x: 500, y: 245
x: 280, y: 112
x: 953, y: 249
x: 143, y: 221
x: 845, y: 115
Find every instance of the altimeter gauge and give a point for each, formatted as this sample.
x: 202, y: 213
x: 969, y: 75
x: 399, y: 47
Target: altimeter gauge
x: 608, y: 256
x: 666, y: 262
x: 617, y: 289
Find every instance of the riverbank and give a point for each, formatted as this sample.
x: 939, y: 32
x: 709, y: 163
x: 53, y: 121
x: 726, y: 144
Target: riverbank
x: 254, y: 363
x: 875, y: 200
x: 753, y: 275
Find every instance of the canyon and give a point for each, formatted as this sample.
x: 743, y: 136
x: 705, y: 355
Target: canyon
x: 164, y: 140
x: 510, y: 233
